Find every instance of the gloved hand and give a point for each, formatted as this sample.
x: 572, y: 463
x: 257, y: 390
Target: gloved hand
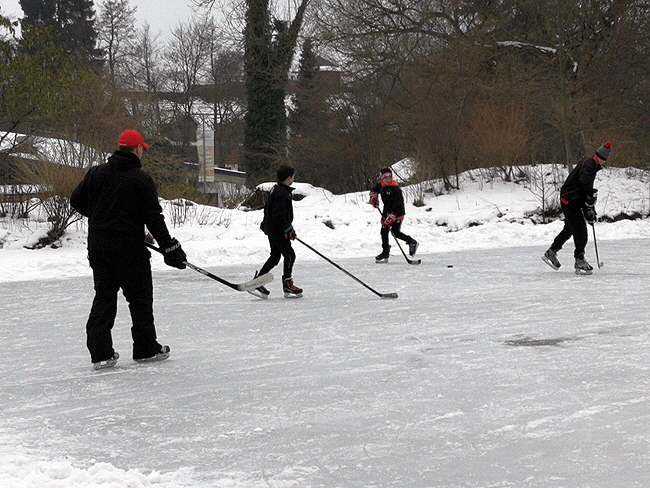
x: 590, y: 214
x: 591, y: 200
x: 290, y: 233
x: 174, y: 254
x: 374, y: 199
x: 390, y: 219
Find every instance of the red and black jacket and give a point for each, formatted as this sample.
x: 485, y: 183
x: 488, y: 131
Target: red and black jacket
x: 392, y: 198
x: 580, y: 183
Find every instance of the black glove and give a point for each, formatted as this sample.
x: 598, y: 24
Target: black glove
x: 290, y: 233
x: 590, y: 214
x: 174, y: 254
x: 591, y: 201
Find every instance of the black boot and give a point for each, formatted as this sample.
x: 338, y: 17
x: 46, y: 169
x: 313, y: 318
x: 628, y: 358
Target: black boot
x: 383, y: 257
x: 413, y: 247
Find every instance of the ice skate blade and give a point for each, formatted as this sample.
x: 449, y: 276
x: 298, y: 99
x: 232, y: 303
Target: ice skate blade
x: 110, y: 363
x: 258, y: 294
x: 381, y: 261
x: 161, y: 356
x: 584, y: 272
x: 550, y: 263
x: 107, y: 363
x: 293, y: 295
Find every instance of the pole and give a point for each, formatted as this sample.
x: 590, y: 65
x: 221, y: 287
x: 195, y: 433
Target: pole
x: 600, y: 264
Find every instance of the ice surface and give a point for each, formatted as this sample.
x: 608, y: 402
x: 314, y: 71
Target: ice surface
x: 490, y: 370
x: 495, y: 372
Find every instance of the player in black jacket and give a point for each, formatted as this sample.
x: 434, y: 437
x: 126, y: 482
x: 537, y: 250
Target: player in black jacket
x: 278, y: 226
x: 392, y: 215
x: 120, y: 199
x: 578, y: 199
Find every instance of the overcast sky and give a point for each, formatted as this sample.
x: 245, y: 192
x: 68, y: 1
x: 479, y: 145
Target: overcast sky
x: 162, y: 15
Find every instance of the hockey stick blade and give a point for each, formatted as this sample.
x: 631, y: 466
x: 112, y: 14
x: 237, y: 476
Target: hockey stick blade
x: 389, y: 295
x: 256, y: 282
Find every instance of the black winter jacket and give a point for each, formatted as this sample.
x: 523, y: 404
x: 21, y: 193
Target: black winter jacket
x: 580, y: 183
x: 120, y: 199
x: 278, y: 211
x: 391, y: 196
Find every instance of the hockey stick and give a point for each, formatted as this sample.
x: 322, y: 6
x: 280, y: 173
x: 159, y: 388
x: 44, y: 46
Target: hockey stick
x: 381, y: 295
x: 248, y: 286
x: 408, y: 260
x: 600, y: 264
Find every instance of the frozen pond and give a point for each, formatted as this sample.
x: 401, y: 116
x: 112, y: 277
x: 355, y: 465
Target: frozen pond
x: 490, y: 370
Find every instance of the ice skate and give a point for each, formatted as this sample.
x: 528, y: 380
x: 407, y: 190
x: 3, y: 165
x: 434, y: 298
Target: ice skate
x: 261, y: 291
x: 583, y: 267
x: 290, y: 290
x: 161, y: 356
x: 107, y: 363
x: 383, y: 257
x: 550, y: 258
x: 413, y: 247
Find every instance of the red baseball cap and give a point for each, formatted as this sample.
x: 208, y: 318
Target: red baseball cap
x: 131, y: 138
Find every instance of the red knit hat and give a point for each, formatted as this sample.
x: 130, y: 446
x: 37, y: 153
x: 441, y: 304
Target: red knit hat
x: 604, y: 151
x: 131, y: 138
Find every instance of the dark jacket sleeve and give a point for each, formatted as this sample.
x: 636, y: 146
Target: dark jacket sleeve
x: 79, y: 197
x: 278, y: 212
x: 152, y: 212
x: 282, y: 211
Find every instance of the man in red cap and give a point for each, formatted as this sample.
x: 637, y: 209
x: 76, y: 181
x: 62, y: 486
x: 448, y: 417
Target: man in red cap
x: 578, y: 200
x: 120, y: 199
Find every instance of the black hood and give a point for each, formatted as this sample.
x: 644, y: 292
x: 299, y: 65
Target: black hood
x: 123, y: 160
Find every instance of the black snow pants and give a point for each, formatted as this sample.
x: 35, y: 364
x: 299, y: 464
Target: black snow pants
x: 280, y: 247
x: 133, y: 275
x: 397, y: 230
x: 574, y: 225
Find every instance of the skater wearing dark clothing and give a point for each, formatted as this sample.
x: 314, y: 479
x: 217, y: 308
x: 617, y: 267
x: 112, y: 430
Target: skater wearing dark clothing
x: 278, y: 227
x: 392, y: 215
x: 578, y: 200
x: 120, y: 199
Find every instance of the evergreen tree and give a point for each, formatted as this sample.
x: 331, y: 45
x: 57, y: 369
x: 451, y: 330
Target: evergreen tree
x: 269, y: 49
x: 73, y: 21
x: 303, y: 108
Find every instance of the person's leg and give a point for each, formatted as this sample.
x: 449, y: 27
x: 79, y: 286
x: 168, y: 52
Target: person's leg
x: 397, y: 231
x: 274, y: 257
x: 289, y: 257
x: 137, y: 287
x: 100, y: 322
x: 384, y: 232
x: 579, y: 230
x: 566, y: 231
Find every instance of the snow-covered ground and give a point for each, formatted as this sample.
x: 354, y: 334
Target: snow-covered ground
x: 490, y: 370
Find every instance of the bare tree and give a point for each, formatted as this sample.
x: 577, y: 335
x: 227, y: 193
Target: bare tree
x: 225, y: 75
x: 115, y: 26
x: 144, y: 62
